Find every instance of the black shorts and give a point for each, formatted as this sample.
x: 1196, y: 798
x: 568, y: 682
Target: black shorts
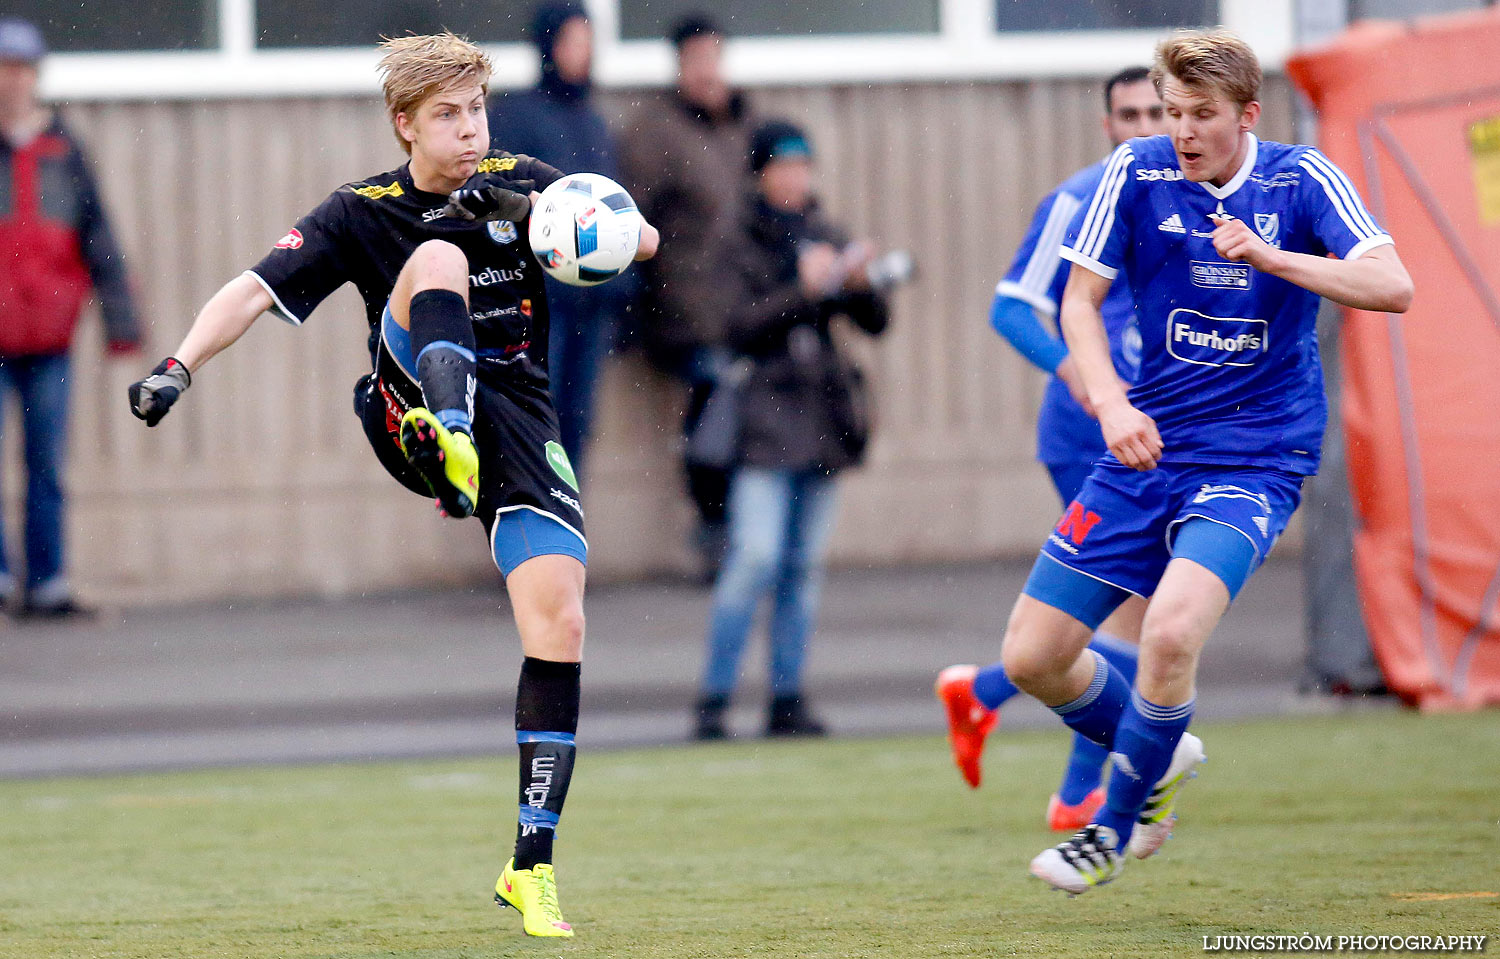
x: 522, y: 465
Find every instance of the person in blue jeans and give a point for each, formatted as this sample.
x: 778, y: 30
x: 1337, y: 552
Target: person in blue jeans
x: 56, y: 248
x: 799, y: 419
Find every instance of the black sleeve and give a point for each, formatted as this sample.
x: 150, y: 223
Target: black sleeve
x: 766, y: 307
x: 105, y: 264
x: 307, y: 264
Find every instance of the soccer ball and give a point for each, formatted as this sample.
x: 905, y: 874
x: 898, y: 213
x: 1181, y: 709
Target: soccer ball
x: 584, y: 229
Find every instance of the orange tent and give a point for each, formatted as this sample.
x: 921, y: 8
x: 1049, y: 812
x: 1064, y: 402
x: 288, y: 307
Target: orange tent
x: 1412, y: 113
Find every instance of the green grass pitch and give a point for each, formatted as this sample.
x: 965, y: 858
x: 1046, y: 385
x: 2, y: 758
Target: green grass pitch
x: 1376, y: 823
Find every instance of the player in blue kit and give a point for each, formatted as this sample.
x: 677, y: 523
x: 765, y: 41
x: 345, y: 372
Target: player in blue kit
x: 1227, y: 243
x: 1068, y: 439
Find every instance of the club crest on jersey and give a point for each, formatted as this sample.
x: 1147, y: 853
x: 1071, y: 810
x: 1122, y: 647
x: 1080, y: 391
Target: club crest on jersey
x: 292, y: 240
x: 502, y: 231
x: 1268, y: 225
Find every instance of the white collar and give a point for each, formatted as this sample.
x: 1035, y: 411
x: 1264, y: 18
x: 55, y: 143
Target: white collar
x: 1243, y: 174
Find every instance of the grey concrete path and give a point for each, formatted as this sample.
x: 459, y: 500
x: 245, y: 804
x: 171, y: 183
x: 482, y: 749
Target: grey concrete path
x: 433, y: 674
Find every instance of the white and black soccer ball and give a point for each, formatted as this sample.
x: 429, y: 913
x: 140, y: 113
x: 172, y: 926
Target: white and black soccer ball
x: 585, y: 229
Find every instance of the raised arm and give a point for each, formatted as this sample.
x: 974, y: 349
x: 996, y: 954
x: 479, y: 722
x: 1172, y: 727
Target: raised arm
x: 223, y: 319
x: 1376, y: 281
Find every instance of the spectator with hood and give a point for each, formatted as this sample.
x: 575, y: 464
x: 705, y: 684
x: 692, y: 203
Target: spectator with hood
x: 557, y: 122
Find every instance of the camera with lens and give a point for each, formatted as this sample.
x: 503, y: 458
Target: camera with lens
x: 890, y: 270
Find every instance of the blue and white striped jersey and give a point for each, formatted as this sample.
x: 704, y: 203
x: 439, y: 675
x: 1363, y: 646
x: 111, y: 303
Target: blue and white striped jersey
x: 1229, y: 360
x: 1037, y: 276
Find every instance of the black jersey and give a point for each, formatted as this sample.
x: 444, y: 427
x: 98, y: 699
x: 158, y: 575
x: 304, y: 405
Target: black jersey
x: 364, y: 233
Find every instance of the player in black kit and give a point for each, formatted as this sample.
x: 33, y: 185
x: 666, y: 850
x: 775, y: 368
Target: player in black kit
x: 456, y: 405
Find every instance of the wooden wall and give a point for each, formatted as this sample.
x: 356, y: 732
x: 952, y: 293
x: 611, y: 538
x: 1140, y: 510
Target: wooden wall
x: 260, y: 482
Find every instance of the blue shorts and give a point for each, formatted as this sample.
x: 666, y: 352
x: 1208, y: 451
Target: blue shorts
x: 1118, y: 534
x: 1068, y: 478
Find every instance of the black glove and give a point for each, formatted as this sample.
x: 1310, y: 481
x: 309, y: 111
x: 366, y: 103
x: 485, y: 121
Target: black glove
x: 492, y: 202
x: 152, y: 397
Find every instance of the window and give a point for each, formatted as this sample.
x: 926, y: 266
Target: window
x: 1406, y: 9
x: 1104, y: 14
x: 651, y: 19
x: 361, y: 23
x: 196, y: 49
x: 160, y: 25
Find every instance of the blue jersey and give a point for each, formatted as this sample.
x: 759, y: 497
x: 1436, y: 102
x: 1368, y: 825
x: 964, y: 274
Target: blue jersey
x: 1229, y: 366
x: 1064, y: 432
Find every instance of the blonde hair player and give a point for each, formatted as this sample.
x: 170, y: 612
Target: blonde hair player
x: 1068, y: 442
x: 456, y: 403
x: 1228, y: 242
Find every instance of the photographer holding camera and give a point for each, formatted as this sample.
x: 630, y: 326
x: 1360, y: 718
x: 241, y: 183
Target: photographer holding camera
x: 797, y: 411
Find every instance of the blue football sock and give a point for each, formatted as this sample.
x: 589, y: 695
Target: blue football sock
x: 1144, y: 744
x: 1085, y: 769
x: 992, y: 687
x: 1096, y: 713
x: 1084, y: 772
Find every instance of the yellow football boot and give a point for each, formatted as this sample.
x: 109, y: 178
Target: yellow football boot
x: 533, y: 893
x: 445, y: 459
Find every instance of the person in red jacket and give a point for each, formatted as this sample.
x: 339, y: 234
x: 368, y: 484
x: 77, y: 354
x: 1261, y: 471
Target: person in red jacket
x: 55, y: 247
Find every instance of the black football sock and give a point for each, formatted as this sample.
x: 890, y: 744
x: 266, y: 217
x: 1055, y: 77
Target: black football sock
x: 442, y: 340
x: 546, y: 721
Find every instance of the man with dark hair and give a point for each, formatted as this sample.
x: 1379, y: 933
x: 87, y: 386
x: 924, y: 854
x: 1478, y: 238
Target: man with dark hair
x: 1068, y: 439
x: 56, y: 245
x: 558, y: 122
x: 684, y: 155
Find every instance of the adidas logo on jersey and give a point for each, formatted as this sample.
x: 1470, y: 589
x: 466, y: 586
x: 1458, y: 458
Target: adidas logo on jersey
x: 1172, y: 224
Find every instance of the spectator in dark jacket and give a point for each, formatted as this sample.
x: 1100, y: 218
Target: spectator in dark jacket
x: 55, y: 245
x: 557, y: 121
x: 684, y: 160
x: 799, y: 424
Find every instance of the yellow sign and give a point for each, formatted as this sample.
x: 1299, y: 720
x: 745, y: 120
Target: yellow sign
x: 377, y: 192
x: 1484, y: 150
